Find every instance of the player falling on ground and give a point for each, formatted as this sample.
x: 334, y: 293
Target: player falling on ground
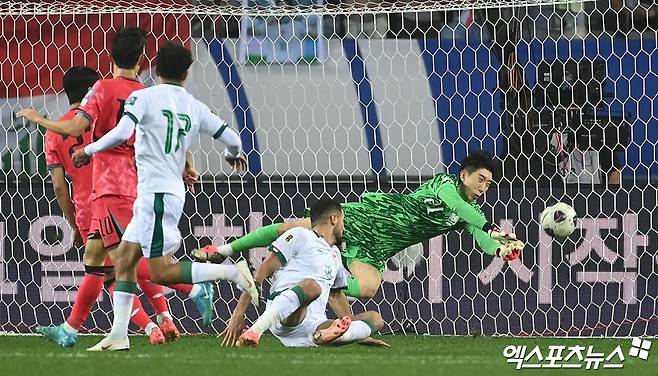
x: 308, y: 273
x: 383, y: 224
x: 114, y: 188
x: 166, y: 120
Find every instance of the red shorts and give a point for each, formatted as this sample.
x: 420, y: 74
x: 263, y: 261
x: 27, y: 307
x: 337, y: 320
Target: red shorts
x: 109, y: 217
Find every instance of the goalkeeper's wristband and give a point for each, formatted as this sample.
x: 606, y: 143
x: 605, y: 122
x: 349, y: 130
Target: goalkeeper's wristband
x: 489, y: 226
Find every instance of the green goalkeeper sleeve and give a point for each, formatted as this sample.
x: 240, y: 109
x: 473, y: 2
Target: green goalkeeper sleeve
x: 486, y: 242
x: 448, y: 194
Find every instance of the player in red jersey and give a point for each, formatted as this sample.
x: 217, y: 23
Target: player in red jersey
x: 114, y: 177
x: 76, y: 81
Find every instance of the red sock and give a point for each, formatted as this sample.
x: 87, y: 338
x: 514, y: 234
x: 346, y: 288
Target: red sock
x: 138, y: 315
x: 153, y: 292
x: 182, y: 287
x: 88, y: 292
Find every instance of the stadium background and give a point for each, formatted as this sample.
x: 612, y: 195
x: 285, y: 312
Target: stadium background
x: 338, y: 129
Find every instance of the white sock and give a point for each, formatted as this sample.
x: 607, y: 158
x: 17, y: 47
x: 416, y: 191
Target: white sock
x: 196, y: 289
x: 202, y: 272
x: 162, y: 316
x: 357, y: 331
x: 123, y: 305
x: 281, y: 307
x: 69, y: 329
x: 225, y: 250
x: 149, y: 328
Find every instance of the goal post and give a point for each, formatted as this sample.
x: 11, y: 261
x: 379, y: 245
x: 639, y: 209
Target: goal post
x: 337, y: 100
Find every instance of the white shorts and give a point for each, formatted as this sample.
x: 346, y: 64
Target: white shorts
x: 300, y: 335
x: 154, y: 224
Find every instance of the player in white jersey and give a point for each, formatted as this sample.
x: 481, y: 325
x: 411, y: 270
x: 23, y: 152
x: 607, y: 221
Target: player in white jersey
x: 309, y: 273
x: 167, y: 120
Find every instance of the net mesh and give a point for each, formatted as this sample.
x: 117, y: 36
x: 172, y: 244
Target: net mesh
x: 322, y: 113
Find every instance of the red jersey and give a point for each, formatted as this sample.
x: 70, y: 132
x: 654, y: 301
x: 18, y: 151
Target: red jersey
x: 58, y: 154
x: 114, y: 172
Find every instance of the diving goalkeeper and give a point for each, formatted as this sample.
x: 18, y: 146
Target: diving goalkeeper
x: 383, y: 224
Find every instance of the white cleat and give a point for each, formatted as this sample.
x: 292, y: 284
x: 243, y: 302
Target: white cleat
x: 110, y: 344
x: 246, y: 281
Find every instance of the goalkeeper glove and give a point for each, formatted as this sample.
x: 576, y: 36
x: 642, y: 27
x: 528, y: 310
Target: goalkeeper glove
x: 499, y: 235
x: 510, y: 250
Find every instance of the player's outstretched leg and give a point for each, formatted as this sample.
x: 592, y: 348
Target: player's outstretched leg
x: 335, y: 329
x: 261, y: 237
x: 202, y: 294
x: 289, y: 307
x: 166, y: 272
x: 362, y: 326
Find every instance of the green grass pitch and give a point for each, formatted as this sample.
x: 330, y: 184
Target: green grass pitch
x: 201, y: 355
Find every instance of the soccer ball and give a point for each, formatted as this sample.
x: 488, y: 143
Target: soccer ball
x: 559, y: 220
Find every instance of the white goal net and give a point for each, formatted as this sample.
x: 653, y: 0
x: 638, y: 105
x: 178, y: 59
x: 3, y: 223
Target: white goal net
x: 333, y: 99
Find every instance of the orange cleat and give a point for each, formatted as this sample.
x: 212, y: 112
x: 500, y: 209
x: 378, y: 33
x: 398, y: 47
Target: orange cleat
x: 248, y: 339
x: 335, y: 330
x: 169, y: 330
x: 156, y: 337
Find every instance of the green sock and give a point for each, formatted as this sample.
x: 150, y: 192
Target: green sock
x: 353, y: 288
x: 186, y: 271
x: 261, y: 237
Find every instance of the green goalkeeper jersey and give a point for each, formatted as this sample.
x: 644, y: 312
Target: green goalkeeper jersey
x: 383, y: 224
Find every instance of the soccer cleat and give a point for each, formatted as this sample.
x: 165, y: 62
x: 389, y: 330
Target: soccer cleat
x: 248, y: 339
x: 246, y: 281
x: 204, y: 302
x: 156, y: 337
x: 58, y: 335
x: 209, y: 254
x: 169, y: 330
x: 110, y: 344
x: 335, y: 330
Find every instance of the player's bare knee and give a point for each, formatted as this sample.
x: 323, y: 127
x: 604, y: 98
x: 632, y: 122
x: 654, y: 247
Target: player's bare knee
x: 94, y: 254
x: 368, y: 290
x: 376, y: 319
x: 312, y: 289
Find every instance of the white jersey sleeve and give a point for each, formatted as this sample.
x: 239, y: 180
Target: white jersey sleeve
x: 132, y: 114
x: 214, y: 126
x: 288, y: 245
x: 341, y: 278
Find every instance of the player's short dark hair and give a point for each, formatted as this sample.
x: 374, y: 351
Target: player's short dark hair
x: 128, y: 46
x: 77, y: 81
x: 172, y: 61
x: 323, y: 209
x: 478, y: 159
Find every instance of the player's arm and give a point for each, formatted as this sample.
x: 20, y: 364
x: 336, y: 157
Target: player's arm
x: 190, y: 173
x: 71, y: 127
x: 508, y: 250
x: 61, y: 188
x: 236, y: 323
x: 447, y: 192
x: 117, y: 136
x: 133, y: 111
x: 214, y: 126
x: 339, y: 304
x: 337, y: 299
